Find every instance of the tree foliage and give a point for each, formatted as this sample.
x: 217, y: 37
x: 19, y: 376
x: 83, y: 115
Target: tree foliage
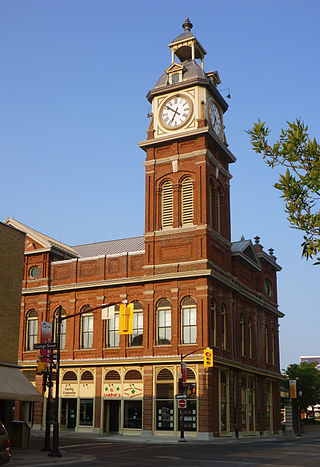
x: 308, y: 377
x: 299, y: 181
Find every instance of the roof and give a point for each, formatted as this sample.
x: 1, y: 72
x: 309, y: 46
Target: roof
x: 244, y: 248
x: 111, y: 247
x: 185, y: 35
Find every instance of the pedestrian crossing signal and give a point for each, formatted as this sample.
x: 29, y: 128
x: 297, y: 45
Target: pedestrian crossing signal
x: 126, y: 318
x: 208, y: 358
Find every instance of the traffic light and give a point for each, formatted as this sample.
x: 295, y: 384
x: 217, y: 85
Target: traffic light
x: 41, y: 368
x: 208, y: 357
x: 126, y: 318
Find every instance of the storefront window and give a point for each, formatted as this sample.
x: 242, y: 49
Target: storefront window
x: 247, y: 404
x: 132, y: 414
x: 86, y: 412
x: 223, y: 402
x: 190, y: 413
x: 268, y: 405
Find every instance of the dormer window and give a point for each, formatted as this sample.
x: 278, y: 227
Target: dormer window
x: 175, y: 78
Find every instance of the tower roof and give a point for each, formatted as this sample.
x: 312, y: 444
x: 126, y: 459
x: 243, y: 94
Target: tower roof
x: 186, y: 46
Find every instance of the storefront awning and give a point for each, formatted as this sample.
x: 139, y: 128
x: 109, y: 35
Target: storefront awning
x: 15, y: 386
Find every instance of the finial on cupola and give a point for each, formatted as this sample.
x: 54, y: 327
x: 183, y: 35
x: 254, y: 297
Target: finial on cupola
x: 187, y: 26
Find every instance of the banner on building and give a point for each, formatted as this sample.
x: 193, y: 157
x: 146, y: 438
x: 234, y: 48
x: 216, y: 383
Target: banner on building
x: 293, y: 388
x: 46, y: 336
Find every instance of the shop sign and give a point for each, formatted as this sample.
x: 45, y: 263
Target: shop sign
x: 69, y: 390
x: 133, y: 390
x: 87, y: 389
x: 112, y: 391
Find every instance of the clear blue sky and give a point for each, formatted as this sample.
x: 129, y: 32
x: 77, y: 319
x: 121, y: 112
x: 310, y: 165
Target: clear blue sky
x: 74, y: 75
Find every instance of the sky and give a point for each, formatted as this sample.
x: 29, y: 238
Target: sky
x: 74, y: 76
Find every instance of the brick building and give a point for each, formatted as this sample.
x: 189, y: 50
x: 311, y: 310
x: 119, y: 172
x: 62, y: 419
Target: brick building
x: 191, y: 287
x: 13, y: 384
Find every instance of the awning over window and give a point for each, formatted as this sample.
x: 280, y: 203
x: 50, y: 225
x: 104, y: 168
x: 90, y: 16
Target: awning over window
x: 15, y: 386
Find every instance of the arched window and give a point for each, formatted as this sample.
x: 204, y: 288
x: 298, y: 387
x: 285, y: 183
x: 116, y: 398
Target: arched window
x: 213, y: 322
x: 112, y: 329
x: 250, y: 337
x: 218, y: 209
x: 165, y: 400
x: 112, y: 375
x: 63, y: 328
x: 223, y: 328
x: 133, y: 375
x: 32, y: 329
x: 166, y: 204
x: 186, y: 201
x: 188, y: 321
x: 136, y: 339
x: 267, y: 345
x: 164, y: 322
x: 242, y: 335
x: 86, y: 329
x: 69, y: 376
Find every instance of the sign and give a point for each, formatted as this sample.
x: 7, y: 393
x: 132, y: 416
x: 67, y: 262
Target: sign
x: 112, y: 391
x: 293, y: 388
x: 45, y: 345
x: 108, y: 312
x: 69, y: 390
x: 181, y: 396
x: 132, y: 390
x: 182, y: 403
x: 184, y: 371
x: 46, y: 337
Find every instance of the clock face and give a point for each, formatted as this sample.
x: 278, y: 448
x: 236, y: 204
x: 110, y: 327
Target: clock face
x: 215, y: 119
x: 175, y: 111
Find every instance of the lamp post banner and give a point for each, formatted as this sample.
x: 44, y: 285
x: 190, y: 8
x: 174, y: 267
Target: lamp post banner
x: 46, y: 336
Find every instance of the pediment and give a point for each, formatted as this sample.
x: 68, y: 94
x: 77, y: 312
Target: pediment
x: 175, y: 68
x: 244, y: 249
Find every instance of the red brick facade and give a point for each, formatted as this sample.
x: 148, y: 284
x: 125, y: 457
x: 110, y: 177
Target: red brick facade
x: 231, y: 289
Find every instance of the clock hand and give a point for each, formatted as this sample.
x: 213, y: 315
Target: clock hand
x: 175, y: 111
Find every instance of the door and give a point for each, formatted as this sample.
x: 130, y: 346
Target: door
x: 72, y: 413
x: 111, y: 416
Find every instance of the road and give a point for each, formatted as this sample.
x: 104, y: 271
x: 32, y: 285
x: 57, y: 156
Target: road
x: 298, y: 452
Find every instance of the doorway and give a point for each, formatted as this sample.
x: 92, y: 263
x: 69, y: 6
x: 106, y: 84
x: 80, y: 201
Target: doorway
x: 69, y: 413
x: 111, y: 416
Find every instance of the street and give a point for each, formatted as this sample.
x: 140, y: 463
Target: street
x: 101, y: 451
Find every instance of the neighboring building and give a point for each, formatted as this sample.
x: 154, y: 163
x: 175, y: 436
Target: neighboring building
x: 13, y: 384
x: 190, y: 285
x: 311, y: 360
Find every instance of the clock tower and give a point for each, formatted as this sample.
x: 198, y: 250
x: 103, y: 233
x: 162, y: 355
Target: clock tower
x: 187, y: 221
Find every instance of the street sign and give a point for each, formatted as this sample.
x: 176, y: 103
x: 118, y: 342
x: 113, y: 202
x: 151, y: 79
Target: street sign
x: 182, y: 403
x: 181, y: 396
x: 46, y: 345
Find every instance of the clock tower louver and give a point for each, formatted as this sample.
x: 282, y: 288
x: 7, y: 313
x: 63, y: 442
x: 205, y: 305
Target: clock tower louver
x: 187, y: 176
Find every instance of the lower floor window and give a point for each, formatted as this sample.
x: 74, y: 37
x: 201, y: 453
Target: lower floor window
x: 86, y: 412
x: 165, y: 415
x: 132, y: 414
x: 189, y: 416
x: 247, y: 404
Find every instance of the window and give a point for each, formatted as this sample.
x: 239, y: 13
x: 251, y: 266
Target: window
x: 137, y: 337
x: 164, y: 401
x: 189, y: 321
x: 112, y: 329
x: 133, y: 414
x: 250, y: 337
x: 164, y: 322
x: 175, y: 78
x: 211, y: 199
x: 186, y: 201
x: 223, y: 328
x: 272, y: 348
x: 32, y: 329
x: 69, y: 376
x: 268, y: 407
x: 267, y: 288
x: 213, y: 322
x: 267, y: 345
x: 218, y: 209
x: 224, y: 402
x: 247, y: 404
x: 242, y: 335
x: 86, y: 330
x: 86, y: 412
x: 63, y: 328
x: 34, y: 272
x: 190, y: 413
x: 166, y: 205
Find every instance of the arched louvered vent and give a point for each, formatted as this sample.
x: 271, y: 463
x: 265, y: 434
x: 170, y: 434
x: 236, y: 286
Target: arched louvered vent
x: 186, y: 201
x: 166, y: 204
x: 70, y: 376
x: 190, y: 374
x: 112, y: 375
x: 133, y: 375
x: 87, y: 376
x: 165, y: 375
x: 188, y: 301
